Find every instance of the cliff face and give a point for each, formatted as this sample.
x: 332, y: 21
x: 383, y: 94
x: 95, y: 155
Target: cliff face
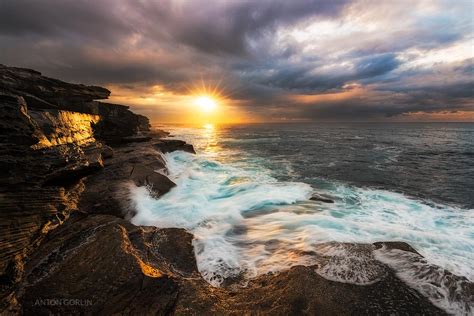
x: 41, y: 93
x: 51, y: 137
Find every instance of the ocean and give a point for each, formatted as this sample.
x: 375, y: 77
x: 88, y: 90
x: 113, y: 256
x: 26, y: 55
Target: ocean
x: 245, y: 197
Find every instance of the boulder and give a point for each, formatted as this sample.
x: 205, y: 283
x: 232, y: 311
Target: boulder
x: 400, y: 245
x: 170, y: 145
x: 321, y: 198
x: 158, y: 183
x: 106, y: 152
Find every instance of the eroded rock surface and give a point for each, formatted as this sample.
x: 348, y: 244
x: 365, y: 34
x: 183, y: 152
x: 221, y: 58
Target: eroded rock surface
x: 50, y: 140
x: 170, y: 145
x: 131, y: 273
x: 39, y: 92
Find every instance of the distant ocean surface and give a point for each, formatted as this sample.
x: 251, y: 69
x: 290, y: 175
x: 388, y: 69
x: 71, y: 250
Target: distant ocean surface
x: 245, y: 197
x: 433, y: 161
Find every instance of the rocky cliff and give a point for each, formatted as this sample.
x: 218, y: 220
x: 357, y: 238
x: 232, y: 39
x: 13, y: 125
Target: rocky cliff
x: 53, y: 135
x: 66, y: 246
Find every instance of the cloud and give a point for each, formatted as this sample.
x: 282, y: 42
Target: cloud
x: 263, y: 54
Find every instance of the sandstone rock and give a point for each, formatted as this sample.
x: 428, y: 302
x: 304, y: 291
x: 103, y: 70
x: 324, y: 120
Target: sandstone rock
x: 170, y: 145
x: 27, y: 215
x: 159, y: 184
x: 107, y: 192
x: 321, y: 198
x: 302, y: 290
x: 118, y: 122
x: 108, y: 266
x: 396, y: 245
x: 56, y: 92
x: 106, y: 152
x: 43, y: 93
x: 159, y: 133
x: 48, y: 144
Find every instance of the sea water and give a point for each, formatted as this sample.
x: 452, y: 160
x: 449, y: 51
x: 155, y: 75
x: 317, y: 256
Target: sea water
x: 245, y: 197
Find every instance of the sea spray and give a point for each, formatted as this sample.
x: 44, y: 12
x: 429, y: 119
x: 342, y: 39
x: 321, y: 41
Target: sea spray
x: 211, y: 199
x: 246, y: 222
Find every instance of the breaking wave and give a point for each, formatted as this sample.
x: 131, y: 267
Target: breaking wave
x: 247, y: 223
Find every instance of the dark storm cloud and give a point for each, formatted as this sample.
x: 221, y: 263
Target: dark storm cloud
x: 209, y: 26
x: 311, y: 77
x: 226, y: 26
x: 89, y: 20
x: 260, y: 51
x: 55, y: 34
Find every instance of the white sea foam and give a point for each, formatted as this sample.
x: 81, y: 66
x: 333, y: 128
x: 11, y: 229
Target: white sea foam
x: 247, y: 223
x: 349, y: 263
x: 446, y: 290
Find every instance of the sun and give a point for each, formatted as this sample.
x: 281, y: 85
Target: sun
x: 206, y: 103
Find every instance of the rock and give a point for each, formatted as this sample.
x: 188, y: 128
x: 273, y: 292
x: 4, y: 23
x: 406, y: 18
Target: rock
x: 73, y: 172
x: 47, y: 91
x: 321, y: 198
x: 302, y: 290
x: 41, y: 146
x: 117, y: 122
x: 158, y: 183
x: 48, y: 144
x: 106, y: 152
x: 170, y: 145
x: 136, y: 139
x: 107, y: 265
x: 107, y: 192
x: 159, y: 133
x: 389, y: 245
x: 27, y: 215
x: 43, y: 93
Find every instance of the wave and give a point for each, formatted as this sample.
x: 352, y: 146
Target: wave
x: 247, y: 223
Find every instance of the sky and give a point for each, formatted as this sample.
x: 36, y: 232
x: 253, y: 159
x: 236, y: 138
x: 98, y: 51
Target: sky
x: 278, y: 61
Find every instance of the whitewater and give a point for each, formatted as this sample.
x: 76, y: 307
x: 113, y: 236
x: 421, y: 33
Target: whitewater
x: 247, y: 222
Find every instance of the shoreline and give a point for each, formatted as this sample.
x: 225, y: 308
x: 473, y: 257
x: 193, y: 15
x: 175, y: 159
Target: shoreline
x: 160, y: 269
x: 68, y: 237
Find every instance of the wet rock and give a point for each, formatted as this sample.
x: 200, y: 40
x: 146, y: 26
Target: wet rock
x: 321, y: 198
x: 107, y: 191
x: 170, y: 145
x: 302, y: 290
x: 389, y: 245
x: 106, y: 152
x: 106, y: 265
x: 158, y: 183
